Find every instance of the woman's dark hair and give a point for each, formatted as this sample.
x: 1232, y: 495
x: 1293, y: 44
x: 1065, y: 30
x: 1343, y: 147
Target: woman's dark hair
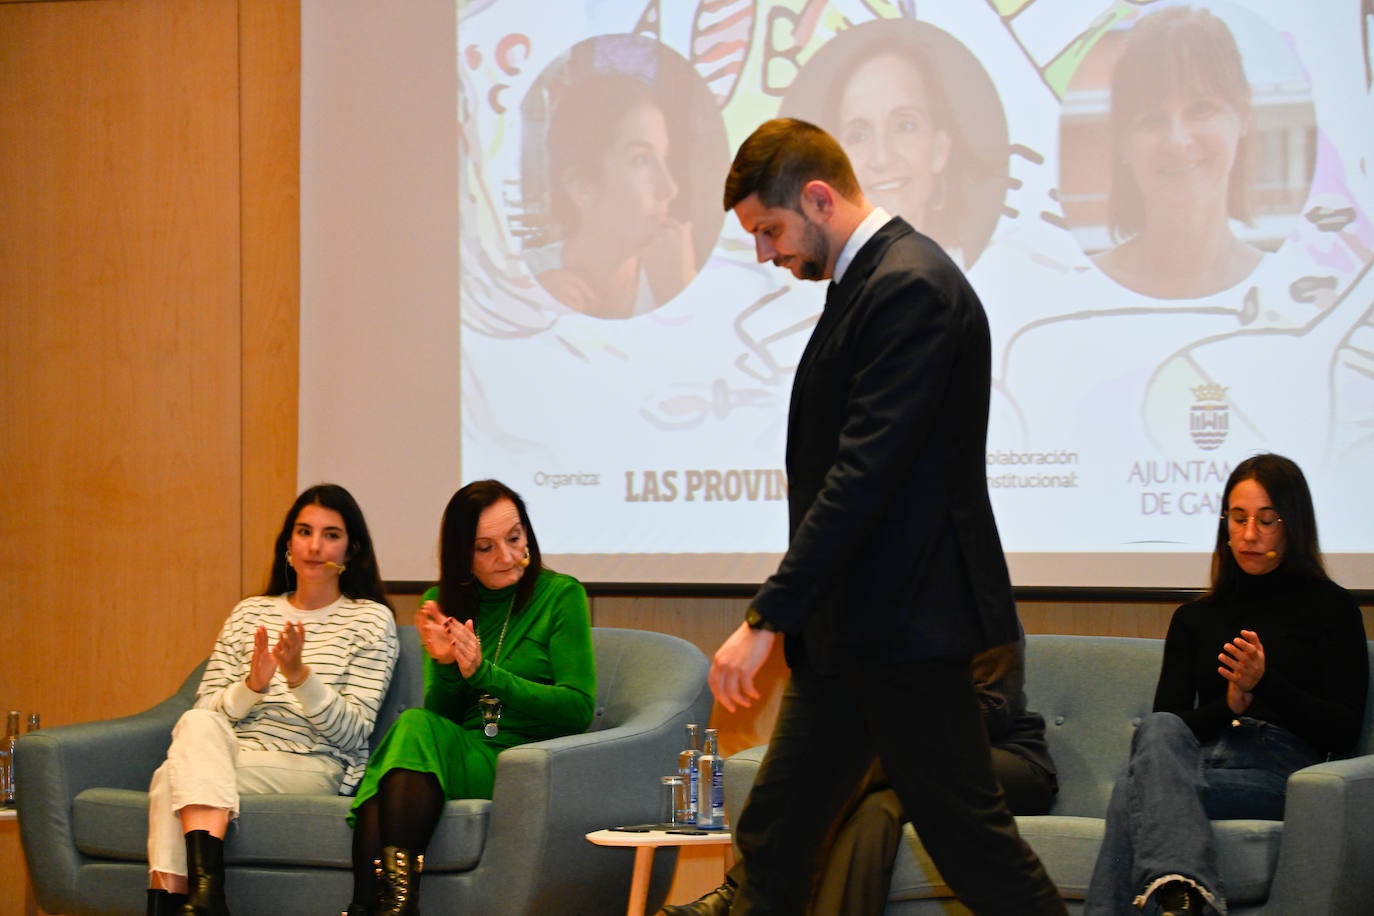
x: 1175, y: 50
x: 360, y: 578
x: 458, y: 587
x: 1292, y: 500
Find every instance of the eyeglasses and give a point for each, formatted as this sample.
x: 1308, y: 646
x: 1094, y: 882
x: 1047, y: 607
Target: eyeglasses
x: 1265, y: 518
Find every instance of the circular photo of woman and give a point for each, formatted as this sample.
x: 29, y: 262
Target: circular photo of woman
x: 922, y: 124
x: 1186, y: 149
x: 620, y: 169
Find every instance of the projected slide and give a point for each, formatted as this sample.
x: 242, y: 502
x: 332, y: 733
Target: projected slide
x: 1164, y: 207
x: 1170, y: 246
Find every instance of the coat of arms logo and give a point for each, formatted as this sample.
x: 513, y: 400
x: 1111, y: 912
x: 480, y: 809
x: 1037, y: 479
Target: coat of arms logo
x: 1209, y: 417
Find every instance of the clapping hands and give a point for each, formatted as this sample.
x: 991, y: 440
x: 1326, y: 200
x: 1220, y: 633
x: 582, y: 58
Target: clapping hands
x: 285, y: 655
x: 448, y: 641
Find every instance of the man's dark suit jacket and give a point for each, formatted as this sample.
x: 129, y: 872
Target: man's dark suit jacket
x: 894, y: 552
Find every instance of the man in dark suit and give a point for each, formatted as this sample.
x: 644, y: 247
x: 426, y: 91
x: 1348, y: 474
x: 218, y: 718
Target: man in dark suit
x: 894, y: 575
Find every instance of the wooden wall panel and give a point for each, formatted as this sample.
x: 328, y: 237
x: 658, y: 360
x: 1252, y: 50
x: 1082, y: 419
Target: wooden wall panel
x: 16, y: 896
x: 120, y: 458
x: 270, y: 68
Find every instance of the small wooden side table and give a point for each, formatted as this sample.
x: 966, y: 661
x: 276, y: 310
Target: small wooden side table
x: 16, y: 893
x: 645, y: 844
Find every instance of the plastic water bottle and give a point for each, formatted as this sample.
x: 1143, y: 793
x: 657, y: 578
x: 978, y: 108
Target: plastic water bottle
x: 711, y: 813
x: 687, y: 768
x: 7, y: 759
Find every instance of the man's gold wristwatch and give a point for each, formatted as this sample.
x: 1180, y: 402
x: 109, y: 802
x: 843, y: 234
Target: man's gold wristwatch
x: 755, y: 621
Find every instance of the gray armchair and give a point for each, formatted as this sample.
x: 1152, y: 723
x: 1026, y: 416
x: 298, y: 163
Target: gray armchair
x: 83, y: 806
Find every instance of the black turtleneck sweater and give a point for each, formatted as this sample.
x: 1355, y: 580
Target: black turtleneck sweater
x: 1316, y: 663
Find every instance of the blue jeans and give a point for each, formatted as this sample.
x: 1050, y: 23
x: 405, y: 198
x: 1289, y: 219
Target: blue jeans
x: 1159, y: 818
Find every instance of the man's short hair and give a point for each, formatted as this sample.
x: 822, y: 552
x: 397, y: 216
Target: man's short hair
x: 780, y: 157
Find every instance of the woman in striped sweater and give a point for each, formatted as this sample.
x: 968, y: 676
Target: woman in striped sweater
x: 287, y: 702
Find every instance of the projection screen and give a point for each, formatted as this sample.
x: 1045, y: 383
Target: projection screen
x: 515, y: 264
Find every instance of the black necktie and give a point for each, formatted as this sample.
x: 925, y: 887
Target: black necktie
x: 830, y: 293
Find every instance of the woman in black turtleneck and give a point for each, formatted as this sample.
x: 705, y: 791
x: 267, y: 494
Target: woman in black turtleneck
x: 1262, y: 676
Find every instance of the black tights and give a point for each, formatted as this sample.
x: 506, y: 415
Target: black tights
x: 403, y: 813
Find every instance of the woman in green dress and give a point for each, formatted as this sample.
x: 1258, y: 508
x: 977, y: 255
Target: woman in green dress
x: 508, y: 660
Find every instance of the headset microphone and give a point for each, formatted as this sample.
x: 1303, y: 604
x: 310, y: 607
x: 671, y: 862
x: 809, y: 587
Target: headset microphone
x: 1270, y: 554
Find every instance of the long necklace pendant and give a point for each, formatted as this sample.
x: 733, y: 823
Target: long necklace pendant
x: 491, y: 714
x: 488, y: 704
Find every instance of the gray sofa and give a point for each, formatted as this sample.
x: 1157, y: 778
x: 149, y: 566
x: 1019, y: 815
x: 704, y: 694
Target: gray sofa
x: 83, y: 805
x: 1093, y: 691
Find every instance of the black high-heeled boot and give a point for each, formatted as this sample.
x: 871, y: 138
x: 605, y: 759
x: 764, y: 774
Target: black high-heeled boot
x: 204, y: 875
x: 400, y: 882
x: 164, y: 902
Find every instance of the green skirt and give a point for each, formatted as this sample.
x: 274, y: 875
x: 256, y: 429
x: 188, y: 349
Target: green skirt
x: 462, y: 759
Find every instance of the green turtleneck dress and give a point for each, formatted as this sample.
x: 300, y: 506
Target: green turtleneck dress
x: 544, y: 674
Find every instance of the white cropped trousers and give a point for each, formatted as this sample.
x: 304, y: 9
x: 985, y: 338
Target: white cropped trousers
x: 206, y: 765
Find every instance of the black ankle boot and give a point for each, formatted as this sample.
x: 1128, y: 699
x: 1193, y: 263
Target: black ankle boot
x: 714, y: 903
x: 164, y: 903
x: 1179, y: 898
x: 400, y: 882
x: 204, y: 875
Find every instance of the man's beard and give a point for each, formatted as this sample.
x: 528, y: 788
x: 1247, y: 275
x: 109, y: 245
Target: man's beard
x: 815, y: 253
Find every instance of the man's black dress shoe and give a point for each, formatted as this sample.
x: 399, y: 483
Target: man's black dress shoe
x: 1179, y: 898
x: 716, y: 903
